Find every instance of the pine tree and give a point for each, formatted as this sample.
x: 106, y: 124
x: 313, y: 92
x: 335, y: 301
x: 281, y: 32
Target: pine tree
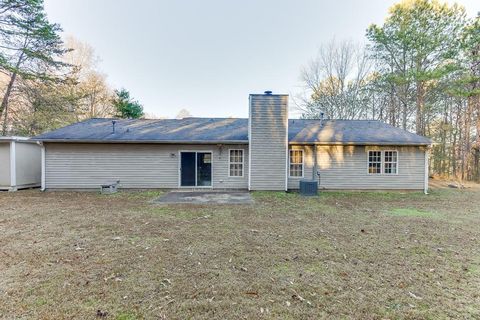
x: 30, y: 46
x: 125, y: 106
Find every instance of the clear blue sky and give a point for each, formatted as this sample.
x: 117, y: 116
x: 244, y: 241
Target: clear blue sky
x: 207, y: 56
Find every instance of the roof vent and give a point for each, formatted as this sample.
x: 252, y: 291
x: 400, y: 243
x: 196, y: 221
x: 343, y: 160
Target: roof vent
x: 113, y: 126
x: 268, y: 93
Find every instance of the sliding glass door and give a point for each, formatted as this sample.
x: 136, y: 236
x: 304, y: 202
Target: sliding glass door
x: 195, y: 169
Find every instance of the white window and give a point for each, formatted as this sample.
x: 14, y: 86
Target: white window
x: 390, y: 162
x: 235, y: 161
x: 374, y: 162
x: 383, y: 162
x: 296, y: 163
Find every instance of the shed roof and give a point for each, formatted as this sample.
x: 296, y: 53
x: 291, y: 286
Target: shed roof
x: 14, y: 138
x: 229, y: 130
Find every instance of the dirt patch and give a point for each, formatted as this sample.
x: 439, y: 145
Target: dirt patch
x: 206, y: 197
x: 67, y: 255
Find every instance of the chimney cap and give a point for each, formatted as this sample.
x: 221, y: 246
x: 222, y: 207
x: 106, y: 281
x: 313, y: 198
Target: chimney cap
x: 268, y: 92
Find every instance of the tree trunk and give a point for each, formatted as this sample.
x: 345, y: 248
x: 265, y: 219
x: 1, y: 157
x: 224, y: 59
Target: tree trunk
x: 467, y: 138
x: 476, y: 147
x: 404, y: 107
x: 420, y: 102
x: 4, y: 105
x: 6, y: 97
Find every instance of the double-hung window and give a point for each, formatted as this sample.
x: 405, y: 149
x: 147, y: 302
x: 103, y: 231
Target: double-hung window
x: 390, y: 162
x: 296, y: 163
x: 375, y: 162
x: 383, y: 162
x: 235, y: 161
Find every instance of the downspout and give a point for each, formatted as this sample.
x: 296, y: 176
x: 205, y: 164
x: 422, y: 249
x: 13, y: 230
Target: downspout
x: 425, y: 186
x: 287, y: 154
x: 315, y: 174
x: 249, y: 141
x: 13, y: 167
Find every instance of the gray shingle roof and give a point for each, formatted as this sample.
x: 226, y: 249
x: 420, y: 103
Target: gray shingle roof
x: 351, y: 132
x: 231, y: 130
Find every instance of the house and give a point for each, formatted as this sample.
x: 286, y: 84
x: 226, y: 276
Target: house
x: 267, y: 151
x: 20, y: 165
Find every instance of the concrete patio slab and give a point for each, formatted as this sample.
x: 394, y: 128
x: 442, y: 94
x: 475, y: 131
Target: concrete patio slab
x: 206, y: 197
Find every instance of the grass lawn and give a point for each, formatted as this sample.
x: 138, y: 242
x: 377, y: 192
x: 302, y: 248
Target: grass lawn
x: 68, y: 255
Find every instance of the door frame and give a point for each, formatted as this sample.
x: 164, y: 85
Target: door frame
x: 180, y: 169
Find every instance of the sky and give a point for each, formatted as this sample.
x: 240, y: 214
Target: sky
x: 207, y: 56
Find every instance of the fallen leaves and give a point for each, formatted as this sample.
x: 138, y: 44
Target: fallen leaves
x: 413, y: 295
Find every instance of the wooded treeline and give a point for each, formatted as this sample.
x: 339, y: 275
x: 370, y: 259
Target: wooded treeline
x: 420, y: 70
x: 48, y: 82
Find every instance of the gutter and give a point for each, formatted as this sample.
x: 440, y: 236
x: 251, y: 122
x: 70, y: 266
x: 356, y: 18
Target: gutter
x: 143, y: 141
x: 425, y: 183
x: 360, y: 143
x: 16, y: 139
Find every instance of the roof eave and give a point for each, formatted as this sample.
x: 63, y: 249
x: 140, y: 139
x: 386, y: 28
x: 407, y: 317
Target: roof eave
x: 144, y: 141
x: 16, y: 139
x: 361, y: 143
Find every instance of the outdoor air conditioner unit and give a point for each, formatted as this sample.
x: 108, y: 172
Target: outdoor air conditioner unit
x: 308, y: 187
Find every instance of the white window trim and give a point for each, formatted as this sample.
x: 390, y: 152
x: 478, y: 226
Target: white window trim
x: 382, y: 162
x: 303, y: 164
x: 242, y: 163
x: 368, y: 162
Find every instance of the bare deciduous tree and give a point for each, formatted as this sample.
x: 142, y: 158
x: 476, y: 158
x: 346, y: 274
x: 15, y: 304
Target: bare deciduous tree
x: 334, y: 81
x: 184, y: 113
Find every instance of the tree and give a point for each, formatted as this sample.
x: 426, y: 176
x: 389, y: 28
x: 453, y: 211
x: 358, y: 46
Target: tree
x: 417, y: 43
x: 88, y: 83
x: 37, y: 106
x: 334, y: 82
x: 425, y: 77
x: 125, y: 106
x: 184, y: 113
x: 470, y: 45
x: 30, y: 46
x: 42, y: 106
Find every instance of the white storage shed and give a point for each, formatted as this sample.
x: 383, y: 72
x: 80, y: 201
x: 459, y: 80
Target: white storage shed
x: 20, y: 163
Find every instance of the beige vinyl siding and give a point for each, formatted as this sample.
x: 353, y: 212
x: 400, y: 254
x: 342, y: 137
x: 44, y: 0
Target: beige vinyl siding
x: 268, y: 141
x: 28, y: 163
x: 308, y: 164
x: 4, y: 165
x: 83, y: 166
x: 345, y: 167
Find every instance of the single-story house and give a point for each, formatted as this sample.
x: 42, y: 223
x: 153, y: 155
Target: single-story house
x: 20, y: 165
x: 267, y: 151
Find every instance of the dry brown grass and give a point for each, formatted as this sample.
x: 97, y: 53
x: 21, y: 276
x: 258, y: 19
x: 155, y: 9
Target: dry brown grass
x: 343, y: 255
